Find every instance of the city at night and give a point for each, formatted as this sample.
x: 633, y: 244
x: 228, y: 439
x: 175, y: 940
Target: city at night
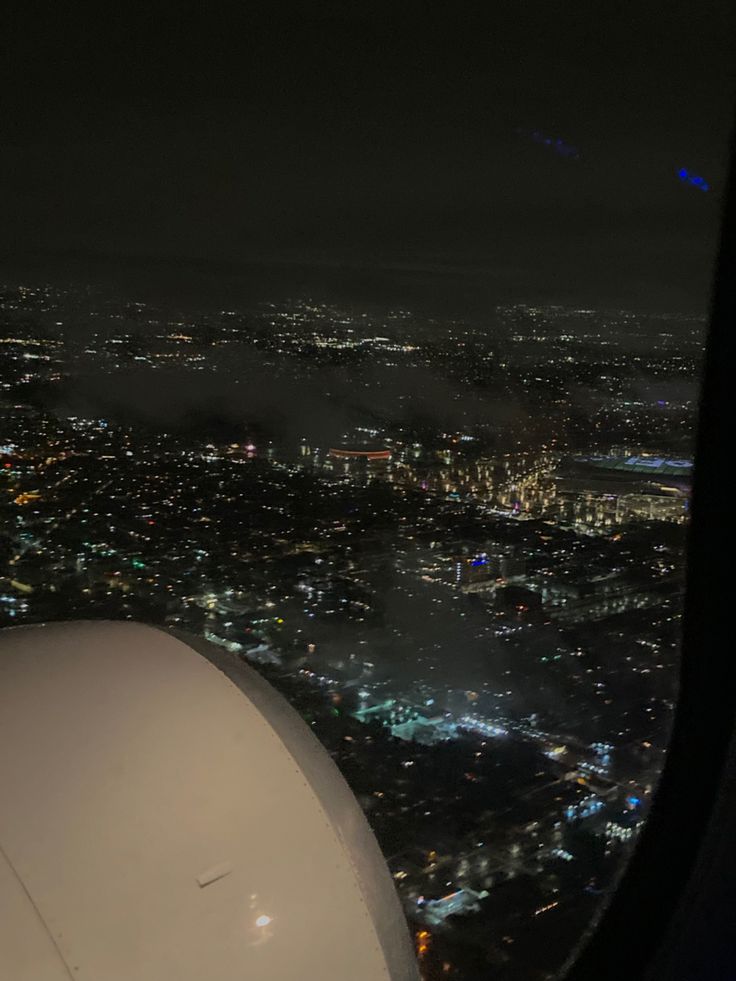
x: 364, y: 348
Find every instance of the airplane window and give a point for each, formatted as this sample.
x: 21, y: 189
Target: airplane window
x: 365, y: 343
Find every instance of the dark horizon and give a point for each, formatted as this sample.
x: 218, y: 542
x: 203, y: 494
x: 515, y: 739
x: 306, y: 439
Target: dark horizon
x: 198, y: 286
x: 370, y: 154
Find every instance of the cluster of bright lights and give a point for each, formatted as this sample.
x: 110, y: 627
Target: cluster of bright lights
x: 487, y: 728
x: 586, y: 808
x: 617, y: 832
x: 687, y: 178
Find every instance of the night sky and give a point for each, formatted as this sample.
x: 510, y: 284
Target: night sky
x: 368, y: 151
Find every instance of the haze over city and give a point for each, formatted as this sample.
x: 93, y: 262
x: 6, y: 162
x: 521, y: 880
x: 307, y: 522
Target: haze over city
x: 365, y: 344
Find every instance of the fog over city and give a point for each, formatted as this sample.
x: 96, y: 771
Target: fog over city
x: 364, y: 344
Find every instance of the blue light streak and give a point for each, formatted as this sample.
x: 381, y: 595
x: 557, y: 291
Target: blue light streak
x: 687, y: 178
x: 559, y: 146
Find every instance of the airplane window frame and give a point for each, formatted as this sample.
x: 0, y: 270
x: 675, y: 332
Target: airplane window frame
x: 646, y: 918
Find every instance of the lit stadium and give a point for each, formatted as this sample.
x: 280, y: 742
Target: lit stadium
x: 650, y: 466
x: 614, y: 473
x: 361, y: 453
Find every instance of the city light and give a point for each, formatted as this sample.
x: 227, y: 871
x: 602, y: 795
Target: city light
x: 480, y: 621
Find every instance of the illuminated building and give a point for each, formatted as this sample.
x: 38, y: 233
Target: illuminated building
x: 435, y: 911
x: 512, y: 567
x: 600, y: 492
x: 471, y: 570
x: 360, y: 454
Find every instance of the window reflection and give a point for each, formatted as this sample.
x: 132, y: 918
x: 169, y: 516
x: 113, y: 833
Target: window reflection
x: 397, y: 403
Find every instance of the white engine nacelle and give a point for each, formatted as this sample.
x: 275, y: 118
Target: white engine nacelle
x: 166, y: 816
